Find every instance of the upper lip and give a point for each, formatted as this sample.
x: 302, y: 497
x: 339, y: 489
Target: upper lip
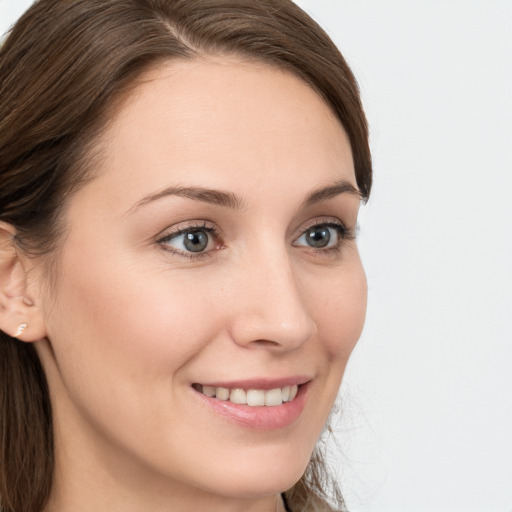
x: 259, y: 383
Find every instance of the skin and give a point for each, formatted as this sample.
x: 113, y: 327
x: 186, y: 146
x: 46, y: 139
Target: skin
x: 132, y: 321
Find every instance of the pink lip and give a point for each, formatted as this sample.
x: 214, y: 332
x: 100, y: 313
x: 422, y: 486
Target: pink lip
x: 258, y: 418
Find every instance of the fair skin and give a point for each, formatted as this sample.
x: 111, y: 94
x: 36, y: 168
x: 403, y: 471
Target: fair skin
x: 137, y: 321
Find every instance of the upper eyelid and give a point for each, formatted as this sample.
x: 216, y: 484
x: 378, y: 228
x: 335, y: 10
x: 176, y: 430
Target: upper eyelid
x: 320, y: 222
x: 173, y: 231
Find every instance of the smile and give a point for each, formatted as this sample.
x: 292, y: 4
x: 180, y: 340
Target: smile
x: 251, y: 397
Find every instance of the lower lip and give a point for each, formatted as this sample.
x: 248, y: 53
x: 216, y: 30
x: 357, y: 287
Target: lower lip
x: 259, y: 418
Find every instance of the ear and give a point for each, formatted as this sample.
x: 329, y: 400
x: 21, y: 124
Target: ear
x: 20, y: 315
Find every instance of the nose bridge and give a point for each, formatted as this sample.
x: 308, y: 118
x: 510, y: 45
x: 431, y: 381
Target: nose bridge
x: 272, y: 306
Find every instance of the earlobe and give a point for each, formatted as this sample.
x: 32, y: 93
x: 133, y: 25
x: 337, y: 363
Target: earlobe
x: 20, y: 317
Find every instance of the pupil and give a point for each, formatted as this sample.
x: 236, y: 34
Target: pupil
x: 318, y: 237
x: 196, y: 241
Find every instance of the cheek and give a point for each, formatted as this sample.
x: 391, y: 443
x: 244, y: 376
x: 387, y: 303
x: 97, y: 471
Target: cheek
x: 127, y: 322
x: 340, y: 312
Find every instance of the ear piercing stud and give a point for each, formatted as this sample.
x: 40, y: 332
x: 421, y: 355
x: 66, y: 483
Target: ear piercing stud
x: 20, y: 330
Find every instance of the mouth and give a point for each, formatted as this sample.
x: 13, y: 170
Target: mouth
x: 256, y: 404
x: 250, y: 397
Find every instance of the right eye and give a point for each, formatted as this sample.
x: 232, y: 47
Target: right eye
x: 193, y: 241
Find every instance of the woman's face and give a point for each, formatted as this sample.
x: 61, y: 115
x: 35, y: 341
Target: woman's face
x: 214, y: 249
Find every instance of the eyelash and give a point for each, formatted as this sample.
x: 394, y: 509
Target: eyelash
x: 343, y: 231
x: 344, y: 234
x: 205, y: 226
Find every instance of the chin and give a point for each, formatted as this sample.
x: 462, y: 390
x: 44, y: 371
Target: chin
x: 251, y: 477
x: 247, y: 486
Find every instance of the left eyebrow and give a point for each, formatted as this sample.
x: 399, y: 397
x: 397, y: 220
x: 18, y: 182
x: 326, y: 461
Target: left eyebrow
x: 322, y: 194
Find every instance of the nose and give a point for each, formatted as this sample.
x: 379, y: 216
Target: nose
x: 270, y: 309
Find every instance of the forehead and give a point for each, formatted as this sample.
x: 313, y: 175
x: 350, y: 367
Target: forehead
x: 225, y: 123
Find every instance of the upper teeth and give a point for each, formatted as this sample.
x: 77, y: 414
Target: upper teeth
x: 253, y: 397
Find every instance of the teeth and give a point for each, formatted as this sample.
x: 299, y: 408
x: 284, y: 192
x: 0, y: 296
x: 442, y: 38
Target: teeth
x: 274, y: 397
x: 255, y: 397
x: 238, y: 396
x: 209, y: 390
x: 252, y: 397
x: 222, y: 393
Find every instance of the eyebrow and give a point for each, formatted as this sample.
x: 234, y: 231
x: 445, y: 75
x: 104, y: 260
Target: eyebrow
x: 230, y: 200
x: 207, y: 195
x: 324, y: 193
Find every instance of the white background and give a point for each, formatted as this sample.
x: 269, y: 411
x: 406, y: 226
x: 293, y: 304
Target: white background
x: 427, y: 399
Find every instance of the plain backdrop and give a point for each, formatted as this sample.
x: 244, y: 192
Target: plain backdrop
x: 426, y: 420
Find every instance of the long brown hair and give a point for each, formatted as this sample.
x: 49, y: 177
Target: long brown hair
x: 64, y: 69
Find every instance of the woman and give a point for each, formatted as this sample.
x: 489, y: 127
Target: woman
x: 180, y: 283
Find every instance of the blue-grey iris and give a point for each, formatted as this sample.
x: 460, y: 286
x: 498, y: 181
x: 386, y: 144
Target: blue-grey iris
x: 318, y: 236
x: 196, y: 241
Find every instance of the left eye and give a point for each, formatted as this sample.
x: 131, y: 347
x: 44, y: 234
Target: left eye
x: 191, y: 240
x: 321, y: 236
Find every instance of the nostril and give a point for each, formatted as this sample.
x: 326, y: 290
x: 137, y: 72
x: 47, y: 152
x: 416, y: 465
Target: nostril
x: 265, y: 343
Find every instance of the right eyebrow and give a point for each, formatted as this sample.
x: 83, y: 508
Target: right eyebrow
x: 207, y: 195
